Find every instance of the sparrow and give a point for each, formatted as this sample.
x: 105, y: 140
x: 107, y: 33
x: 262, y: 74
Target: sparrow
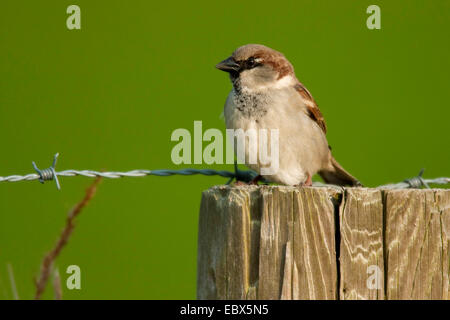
x: 266, y: 94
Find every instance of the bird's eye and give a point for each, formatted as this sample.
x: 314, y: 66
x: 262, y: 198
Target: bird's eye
x: 250, y: 63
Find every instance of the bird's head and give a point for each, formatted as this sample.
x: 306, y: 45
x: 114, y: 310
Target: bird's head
x: 256, y: 67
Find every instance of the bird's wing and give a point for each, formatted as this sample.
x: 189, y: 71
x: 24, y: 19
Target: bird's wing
x: 312, y: 108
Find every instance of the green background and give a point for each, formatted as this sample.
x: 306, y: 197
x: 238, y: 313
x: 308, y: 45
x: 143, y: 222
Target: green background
x: 108, y: 96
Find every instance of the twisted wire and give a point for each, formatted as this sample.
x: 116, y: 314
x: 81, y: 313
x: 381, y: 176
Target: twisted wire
x: 240, y: 175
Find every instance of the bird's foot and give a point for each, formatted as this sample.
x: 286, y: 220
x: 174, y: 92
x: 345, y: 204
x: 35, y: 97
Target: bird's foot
x: 255, y: 180
x: 307, y: 183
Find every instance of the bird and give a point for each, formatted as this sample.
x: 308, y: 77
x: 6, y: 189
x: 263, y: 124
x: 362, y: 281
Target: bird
x: 266, y: 94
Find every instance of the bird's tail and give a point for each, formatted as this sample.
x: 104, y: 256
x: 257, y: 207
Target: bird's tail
x: 335, y: 174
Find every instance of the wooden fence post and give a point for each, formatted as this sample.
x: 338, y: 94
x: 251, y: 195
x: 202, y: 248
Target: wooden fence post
x: 277, y: 242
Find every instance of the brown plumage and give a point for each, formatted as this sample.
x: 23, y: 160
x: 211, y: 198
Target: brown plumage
x: 313, y: 108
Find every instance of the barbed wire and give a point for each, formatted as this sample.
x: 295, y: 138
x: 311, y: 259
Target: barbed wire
x: 51, y: 174
x: 238, y: 175
x: 416, y: 182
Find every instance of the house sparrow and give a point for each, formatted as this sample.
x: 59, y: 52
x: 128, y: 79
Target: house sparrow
x: 267, y: 95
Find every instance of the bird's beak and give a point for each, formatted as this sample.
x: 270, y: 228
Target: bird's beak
x: 228, y: 65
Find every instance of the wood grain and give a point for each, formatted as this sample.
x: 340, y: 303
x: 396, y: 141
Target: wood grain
x: 417, y: 241
x: 314, y: 246
x: 276, y: 231
x: 361, y: 245
x: 225, y: 248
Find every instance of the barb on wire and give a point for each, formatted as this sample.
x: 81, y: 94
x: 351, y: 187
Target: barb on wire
x: 238, y: 175
x: 417, y: 182
x: 49, y: 173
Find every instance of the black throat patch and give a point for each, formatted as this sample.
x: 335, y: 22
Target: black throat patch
x: 250, y: 105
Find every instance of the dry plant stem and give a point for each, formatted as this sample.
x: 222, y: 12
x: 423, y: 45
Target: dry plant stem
x: 13, y: 282
x: 47, y: 264
x: 57, y: 285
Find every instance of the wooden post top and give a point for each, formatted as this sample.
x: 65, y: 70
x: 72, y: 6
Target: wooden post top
x: 279, y: 242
